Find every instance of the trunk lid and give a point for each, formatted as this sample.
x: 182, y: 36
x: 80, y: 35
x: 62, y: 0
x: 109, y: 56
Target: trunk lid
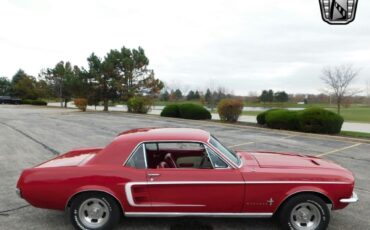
x: 73, y: 158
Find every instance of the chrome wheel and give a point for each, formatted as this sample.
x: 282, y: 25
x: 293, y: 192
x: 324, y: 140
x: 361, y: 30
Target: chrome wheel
x: 305, y: 216
x: 93, y: 213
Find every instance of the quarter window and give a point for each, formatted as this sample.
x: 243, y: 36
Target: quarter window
x: 137, y: 159
x: 215, y: 159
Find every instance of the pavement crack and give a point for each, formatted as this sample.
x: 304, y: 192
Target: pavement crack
x: 351, y: 158
x: 55, y: 152
x: 362, y: 189
x: 5, y: 212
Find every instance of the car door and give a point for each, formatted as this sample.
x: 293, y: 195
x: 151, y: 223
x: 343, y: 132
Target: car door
x: 219, y: 188
x: 136, y: 191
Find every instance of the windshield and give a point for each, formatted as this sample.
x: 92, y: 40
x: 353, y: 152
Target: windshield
x: 230, y: 154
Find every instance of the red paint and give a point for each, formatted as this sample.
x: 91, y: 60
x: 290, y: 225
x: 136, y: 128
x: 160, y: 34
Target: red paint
x: 263, y: 175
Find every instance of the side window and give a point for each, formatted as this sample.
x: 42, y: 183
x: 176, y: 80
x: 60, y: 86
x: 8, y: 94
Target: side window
x: 176, y: 155
x: 215, y: 159
x: 137, y: 159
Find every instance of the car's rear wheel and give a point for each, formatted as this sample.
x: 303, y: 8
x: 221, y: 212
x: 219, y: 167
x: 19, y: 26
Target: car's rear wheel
x: 304, y: 212
x: 96, y: 211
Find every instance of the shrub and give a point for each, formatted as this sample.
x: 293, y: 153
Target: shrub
x: 282, y: 119
x: 230, y: 109
x: 139, y: 104
x: 38, y: 102
x: 34, y: 102
x: 318, y: 120
x: 193, y: 111
x: 171, y: 111
x: 26, y: 102
x: 80, y: 103
x: 261, y: 118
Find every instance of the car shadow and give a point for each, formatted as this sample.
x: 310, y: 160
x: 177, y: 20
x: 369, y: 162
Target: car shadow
x: 191, y: 223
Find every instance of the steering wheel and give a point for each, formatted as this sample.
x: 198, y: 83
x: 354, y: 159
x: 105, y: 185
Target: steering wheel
x: 203, y: 161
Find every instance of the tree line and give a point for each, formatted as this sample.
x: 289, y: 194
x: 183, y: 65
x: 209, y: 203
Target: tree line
x: 119, y: 75
x: 270, y: 96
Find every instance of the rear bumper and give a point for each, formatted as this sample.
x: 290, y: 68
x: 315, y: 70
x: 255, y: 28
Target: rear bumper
x: 352, y: 199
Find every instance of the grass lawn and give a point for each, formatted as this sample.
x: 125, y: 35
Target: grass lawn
x: 356, y: 114
x: 286, y: 105
x: 251, y: 113
x: 355, y: 134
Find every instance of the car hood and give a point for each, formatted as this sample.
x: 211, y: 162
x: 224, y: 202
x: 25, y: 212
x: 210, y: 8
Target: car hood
x: 73, y: 158
x: 290, y: 160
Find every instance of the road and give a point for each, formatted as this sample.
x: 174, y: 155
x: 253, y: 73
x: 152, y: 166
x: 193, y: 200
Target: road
x: 30, y: 135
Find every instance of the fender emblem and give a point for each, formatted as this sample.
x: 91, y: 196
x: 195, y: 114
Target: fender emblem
x: 270, y: 201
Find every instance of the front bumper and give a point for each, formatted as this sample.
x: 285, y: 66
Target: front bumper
x: 353, y: 199
x: 18, y: 191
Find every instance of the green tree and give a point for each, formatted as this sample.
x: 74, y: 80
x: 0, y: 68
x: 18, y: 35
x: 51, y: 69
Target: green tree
x: 270, y: 96
x: 264, y: 96
x: 281, y: 96
x: 43, y: 90
x: 165, y: 96
x: 25, y: 88
x: 153, y: 85
x: 103, y: 74
x: 5, y: 86
x: 197, y: 95
x: 131, y: 73
x: 190, y: 95
x: 61, y: 79
x: 208, y: 97
x: 178, y: 94
x: 18, y: 76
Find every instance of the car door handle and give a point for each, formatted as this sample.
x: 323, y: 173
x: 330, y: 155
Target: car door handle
x: 153, y: 174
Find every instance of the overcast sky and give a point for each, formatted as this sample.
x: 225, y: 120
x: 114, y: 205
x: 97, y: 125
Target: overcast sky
x: 241, y: 45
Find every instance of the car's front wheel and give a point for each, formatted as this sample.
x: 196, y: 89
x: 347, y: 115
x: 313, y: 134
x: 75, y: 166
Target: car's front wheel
x: 96, y: 211
x: 304, y: 212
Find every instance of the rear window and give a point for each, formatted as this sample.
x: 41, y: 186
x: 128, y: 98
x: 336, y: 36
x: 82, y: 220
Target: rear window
x: 137, y: 159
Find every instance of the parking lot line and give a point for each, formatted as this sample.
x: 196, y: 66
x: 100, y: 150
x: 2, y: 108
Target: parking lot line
x: 338, y: 150
x: 290, y: 136
x: 242, y: 144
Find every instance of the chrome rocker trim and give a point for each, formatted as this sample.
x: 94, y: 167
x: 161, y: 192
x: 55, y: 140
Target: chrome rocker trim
x: 353, y: 199
x: 198, y: 214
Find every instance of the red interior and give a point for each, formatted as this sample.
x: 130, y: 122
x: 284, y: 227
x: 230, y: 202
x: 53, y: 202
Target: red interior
x: 155, y: 157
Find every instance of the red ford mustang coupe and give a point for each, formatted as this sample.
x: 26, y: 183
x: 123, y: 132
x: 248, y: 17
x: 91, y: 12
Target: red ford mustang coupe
x: 173, y: 172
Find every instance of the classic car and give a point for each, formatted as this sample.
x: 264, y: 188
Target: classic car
x: 9, y: 100
x: 172, y: 172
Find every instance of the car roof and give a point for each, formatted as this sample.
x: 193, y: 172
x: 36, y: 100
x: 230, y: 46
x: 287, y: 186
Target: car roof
x: 122, y: 146
x: 163, y: 134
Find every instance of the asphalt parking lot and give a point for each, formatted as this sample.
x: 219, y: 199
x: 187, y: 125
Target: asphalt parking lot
x: 30, y: 135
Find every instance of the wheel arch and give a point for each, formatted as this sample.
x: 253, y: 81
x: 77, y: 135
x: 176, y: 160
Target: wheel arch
x: 94, y: 190
x: 322, y: 195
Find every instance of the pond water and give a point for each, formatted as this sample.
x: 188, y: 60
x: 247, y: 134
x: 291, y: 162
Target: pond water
x: 160, y: 107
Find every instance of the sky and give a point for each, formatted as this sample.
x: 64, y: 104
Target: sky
x: 241, y: 45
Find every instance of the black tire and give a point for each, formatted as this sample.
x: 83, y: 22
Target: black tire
x: 112, y: 211
x: 304, y: 202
